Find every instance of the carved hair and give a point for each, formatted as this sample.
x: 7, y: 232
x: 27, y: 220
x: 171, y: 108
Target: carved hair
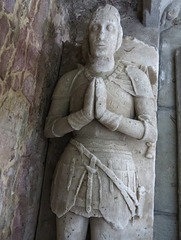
x: 102, y: 10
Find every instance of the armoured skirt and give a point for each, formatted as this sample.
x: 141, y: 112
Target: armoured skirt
x: 96, y: 179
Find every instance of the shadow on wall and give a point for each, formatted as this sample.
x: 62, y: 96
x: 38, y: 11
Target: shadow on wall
x: 46, y: 228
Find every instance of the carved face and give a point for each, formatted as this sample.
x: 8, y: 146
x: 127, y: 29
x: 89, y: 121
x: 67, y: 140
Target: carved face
x: 103, y: 36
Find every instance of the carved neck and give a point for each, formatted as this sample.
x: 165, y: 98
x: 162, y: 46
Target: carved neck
x: 101, y: 64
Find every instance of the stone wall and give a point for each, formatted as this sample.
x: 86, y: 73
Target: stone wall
x: 31, y: 38
x: 167, y: 167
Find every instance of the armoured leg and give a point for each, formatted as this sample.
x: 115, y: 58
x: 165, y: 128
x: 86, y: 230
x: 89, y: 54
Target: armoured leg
x: 101, y: 230
x: 72, y: 227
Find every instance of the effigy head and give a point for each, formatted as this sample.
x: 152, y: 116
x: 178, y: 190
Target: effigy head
x: 104, y: 32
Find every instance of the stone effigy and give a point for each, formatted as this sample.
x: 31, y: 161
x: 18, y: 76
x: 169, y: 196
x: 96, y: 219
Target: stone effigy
x: 104, y: 103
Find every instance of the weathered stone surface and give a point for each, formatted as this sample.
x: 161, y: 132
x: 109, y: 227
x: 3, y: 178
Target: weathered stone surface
x: 27, y: 75
x: 171, y: 13
x: 99, y: 124
x: 151, y: 13
x: 166, y: 184
x: 78, y: 17
x: 46, y: 228
x: 6, y: 55
x: 166, y: 177
x: 5, y: 26
x: 165, y: 226
x: 178, y: 109
x: 9, y: 5
x: 168, y: 45
x: 29, y: 88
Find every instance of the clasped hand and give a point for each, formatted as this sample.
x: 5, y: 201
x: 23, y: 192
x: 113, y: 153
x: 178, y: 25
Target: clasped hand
x: 95, y: 99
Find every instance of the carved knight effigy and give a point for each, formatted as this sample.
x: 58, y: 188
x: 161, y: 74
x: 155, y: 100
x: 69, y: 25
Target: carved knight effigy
x: 102, y: 103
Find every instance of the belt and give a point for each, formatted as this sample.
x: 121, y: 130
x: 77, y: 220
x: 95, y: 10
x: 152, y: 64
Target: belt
x: 128, y: 195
